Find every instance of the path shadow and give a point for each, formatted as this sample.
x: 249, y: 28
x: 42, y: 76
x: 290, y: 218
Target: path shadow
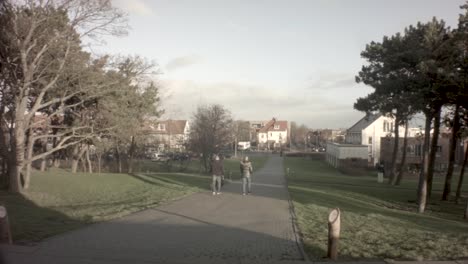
x: 159, y: 236
x: 31, y: 223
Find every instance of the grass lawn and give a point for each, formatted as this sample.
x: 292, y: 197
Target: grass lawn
x: 378, y: 220
x: 195, y: 166
x: 59, y: 201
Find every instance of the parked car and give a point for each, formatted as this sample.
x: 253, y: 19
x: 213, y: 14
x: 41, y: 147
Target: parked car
x: 159, y: 157
x: 180, y: 156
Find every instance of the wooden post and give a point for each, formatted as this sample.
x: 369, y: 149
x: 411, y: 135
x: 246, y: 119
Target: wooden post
x: 334, y: 224
x: 5, y: 233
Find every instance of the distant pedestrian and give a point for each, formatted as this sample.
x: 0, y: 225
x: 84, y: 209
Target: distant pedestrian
x: 217, y: 170
x: 246, y: 172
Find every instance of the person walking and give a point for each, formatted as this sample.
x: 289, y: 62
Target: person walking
x: 246, y: 172
x: 217, y: 170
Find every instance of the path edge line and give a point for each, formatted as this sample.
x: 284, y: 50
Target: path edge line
x: 296, y: 230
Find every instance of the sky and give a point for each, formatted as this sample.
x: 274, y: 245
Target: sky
x: 294, y: 60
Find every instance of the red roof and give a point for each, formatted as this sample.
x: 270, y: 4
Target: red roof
x: 275, y: 125
x: 170, y: 127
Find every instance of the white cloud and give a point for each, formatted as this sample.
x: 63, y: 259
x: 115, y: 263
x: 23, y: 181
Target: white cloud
x: 181, y: 62
x: 137, y: 7
x: 250, y: 102
x: 331, y: 80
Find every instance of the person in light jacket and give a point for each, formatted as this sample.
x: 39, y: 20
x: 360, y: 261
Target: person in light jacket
x: 246, y: 172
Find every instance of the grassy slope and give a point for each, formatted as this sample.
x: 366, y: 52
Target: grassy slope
x: 378, y: 221
x: 59, y: 201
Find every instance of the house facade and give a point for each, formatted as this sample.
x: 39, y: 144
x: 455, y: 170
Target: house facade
x: 168, y: 135
x: 273, y: 135
x: 369, y: 130
x: 255, y: 127
x: 414, y: 151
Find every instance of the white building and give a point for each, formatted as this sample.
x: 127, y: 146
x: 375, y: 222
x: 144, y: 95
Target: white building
x: 369, y: 130
x: 344, y: 154
x: 169, y: 134
x: 273, y: 134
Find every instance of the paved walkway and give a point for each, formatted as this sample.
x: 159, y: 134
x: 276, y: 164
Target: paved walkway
x: 227, y: 228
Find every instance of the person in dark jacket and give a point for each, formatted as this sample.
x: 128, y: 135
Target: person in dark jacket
x: 217, y: 170
x: 246, y: 170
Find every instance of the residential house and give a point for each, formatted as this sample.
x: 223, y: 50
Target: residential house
x: 273, y: 135
x: 255, y: 127
x: 414, y: 151
x: 169, y: 135
x: 369, y: 130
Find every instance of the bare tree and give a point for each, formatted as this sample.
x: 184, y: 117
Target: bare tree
x: 211, y: 130
x: 38, y: 42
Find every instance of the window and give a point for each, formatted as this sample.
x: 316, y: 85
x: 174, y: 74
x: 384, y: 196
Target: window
x: 271, y: 134
x: 370, y: 140
x: 161, y: 126
x: 418, y: 149
x: 385, y: 125
x: 277, y: 127
x: 410, y: 150
x: 391, y: 127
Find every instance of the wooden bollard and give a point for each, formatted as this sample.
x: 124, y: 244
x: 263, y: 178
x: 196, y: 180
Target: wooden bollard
x: 5, y: 233
x: 334, y: 224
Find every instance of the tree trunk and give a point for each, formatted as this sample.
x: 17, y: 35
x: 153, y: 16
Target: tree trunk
x: 395, y: 150
x: 205, y: 162
x: 131, y: 154
x: 88, y: 160
x: 4, y: 173
x: 403, y: 156
x: 99, y: 157
x: 460, y: 178
x: 16, y: 162
x: 74, y: 162
x: 76, y: 156
x: 29, y: 154
x: 453, y: 147
x: 74, y: 165
x: 56, y: 162
x: 14, y: 172
x: 83, y: 164
x: 422, y: 186
x: 18, y: 138
x: 43, y: 164
x: 44, y: 160
x: 433, y: 152
x: 119, y: 158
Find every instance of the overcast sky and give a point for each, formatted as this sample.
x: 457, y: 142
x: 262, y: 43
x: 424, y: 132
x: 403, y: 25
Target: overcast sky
x: 291, y: 59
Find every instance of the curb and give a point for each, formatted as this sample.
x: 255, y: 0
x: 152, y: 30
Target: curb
x: 296, y: 230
